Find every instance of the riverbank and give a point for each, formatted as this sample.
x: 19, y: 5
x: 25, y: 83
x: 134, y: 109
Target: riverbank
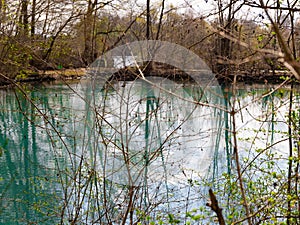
x: 63, y: 74
x: 46, y: 75
x: 262, y: 77
x: 259, y: 77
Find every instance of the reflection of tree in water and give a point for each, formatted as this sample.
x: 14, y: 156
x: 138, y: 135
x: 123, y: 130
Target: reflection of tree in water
x: 63, y: 168
x: 28, y: 189
x: 166, y: 137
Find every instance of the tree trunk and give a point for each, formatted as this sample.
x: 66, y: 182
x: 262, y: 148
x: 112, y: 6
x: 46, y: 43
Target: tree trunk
x: 88, y: 53
x: 224, y: 45
x: 2, y: 11
x: 148, y: 21
x: 33, y: 11
x: 24, y: 21
x: 160, y: 18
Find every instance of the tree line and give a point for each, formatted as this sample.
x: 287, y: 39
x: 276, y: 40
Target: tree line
x: 234, y: 37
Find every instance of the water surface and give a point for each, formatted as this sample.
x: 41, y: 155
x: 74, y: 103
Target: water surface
x: 63, y: 147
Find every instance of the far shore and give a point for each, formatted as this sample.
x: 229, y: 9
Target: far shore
x: 273, y: 77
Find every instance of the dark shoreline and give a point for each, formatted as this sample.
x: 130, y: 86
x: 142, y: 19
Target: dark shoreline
x: 130, y: 74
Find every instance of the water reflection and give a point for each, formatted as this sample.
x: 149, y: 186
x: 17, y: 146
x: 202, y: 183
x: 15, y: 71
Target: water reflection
x: 166, y: 141
x: 63, y: 148
x: 28, y: 179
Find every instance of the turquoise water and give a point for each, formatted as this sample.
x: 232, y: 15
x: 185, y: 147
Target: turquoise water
x: 29, y: 160
x: 63, y: 148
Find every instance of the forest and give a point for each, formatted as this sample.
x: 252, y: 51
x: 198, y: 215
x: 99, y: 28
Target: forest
x: 150, y: 150
x: 233, y: 37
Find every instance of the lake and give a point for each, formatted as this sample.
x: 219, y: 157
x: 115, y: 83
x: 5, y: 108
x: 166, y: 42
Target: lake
x: 133, y: 151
